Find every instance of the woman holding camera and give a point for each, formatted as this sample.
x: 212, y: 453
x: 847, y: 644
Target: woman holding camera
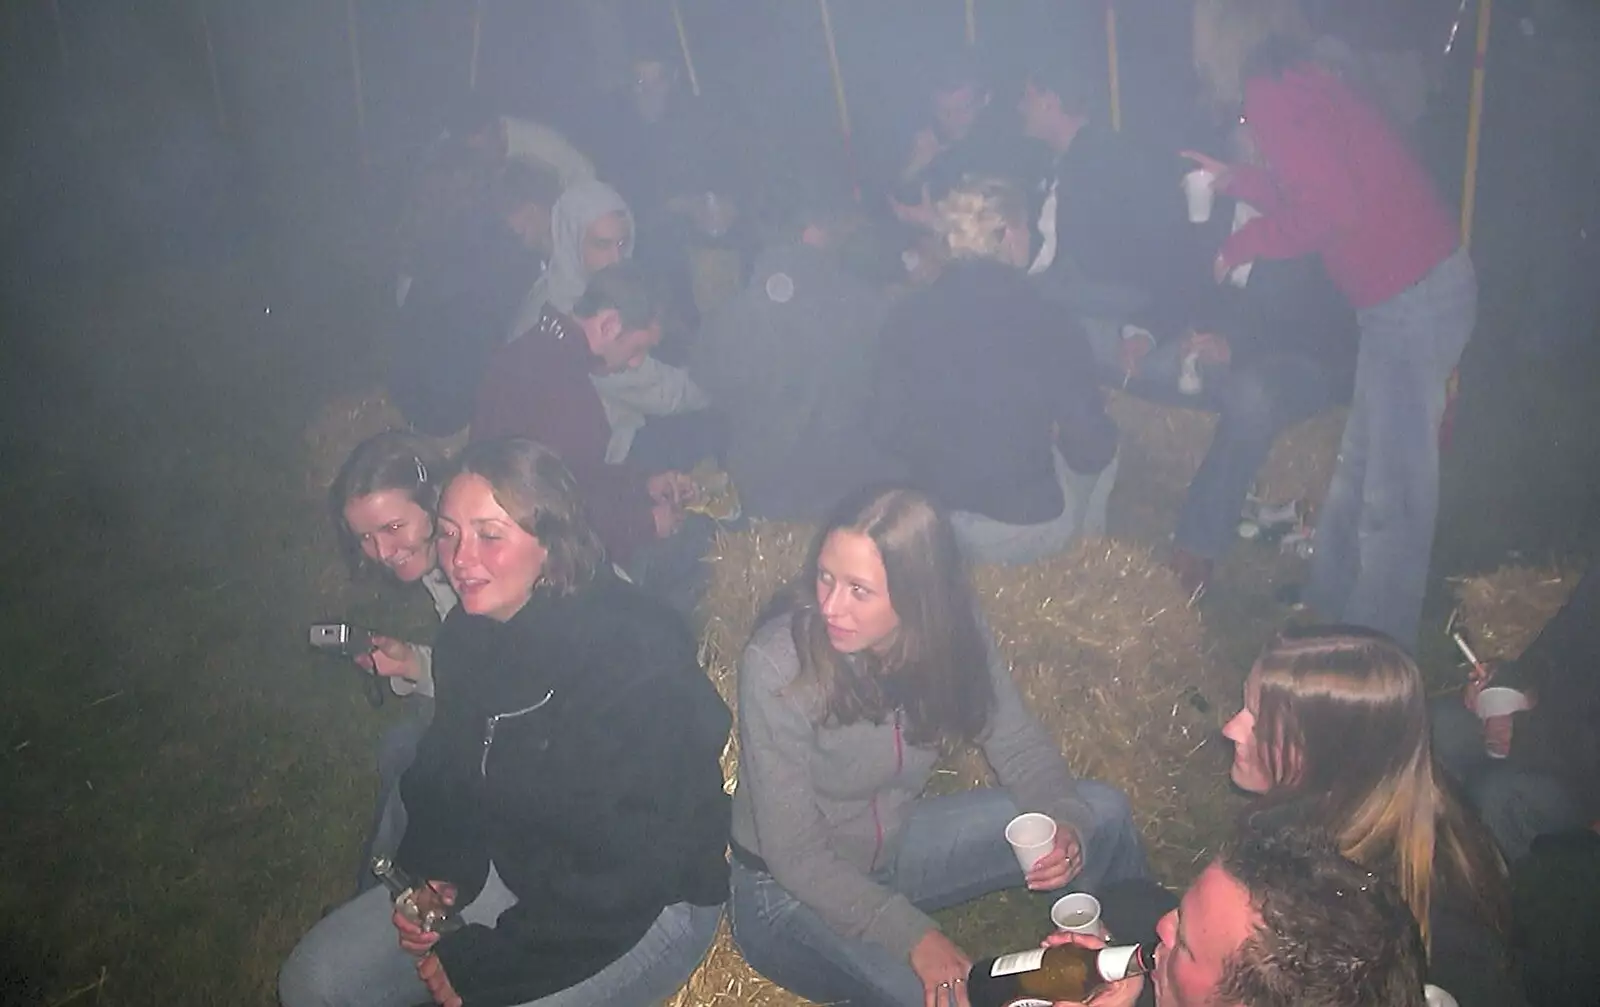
x: 870, y: 667
x: 1334, y: 734
x: 567, y: 798
x: 382, y: 503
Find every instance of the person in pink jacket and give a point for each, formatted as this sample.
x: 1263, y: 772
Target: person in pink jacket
x: 1338, y: 181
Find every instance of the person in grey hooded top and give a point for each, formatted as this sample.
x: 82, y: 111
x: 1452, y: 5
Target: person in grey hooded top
x: 592, y: 228
x: 870, y: 666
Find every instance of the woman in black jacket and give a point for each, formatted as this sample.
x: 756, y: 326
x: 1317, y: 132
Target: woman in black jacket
x: 987, y: 392
x: 567, y: 796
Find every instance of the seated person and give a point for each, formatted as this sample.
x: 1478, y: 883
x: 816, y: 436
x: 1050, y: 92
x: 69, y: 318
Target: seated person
x: 986, y: 391
x: 962, y: 137
x: 468, y: 279
x: 1550, y: 781
x: 782, y: 360
x: 1334, y: 735
x: 383, y: 502
x: 868, y: 667
x: 1279, y: 919
x: 539, y: 386
x: 592, y: 228
x: 1107, y: 218
x: 582, y: 835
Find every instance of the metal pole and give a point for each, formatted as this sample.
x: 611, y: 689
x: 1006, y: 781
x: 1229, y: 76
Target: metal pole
x: 355, y: 68
x: 683, y: 44
x: 1469, y: 184
x: 211, y: 68
x: 1111, y: 66
x: 477, y: 39
x: 972, y: 22
x: 838, y: 93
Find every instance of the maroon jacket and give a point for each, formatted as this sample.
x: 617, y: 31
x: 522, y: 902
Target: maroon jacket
x: 1339, y: 182
x: 538, y: 387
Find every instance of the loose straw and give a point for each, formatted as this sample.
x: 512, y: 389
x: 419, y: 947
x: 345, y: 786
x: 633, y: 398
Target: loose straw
x: 355, y: 67
x: 683, y: 43
x: 1111, y: 66
x: 1469, y: 184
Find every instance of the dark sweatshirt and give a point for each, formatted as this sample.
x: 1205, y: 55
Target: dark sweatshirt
x: 978, y: 377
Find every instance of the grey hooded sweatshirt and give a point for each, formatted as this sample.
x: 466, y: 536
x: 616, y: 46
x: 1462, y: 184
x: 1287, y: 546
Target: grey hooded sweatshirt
x: 823, y: 806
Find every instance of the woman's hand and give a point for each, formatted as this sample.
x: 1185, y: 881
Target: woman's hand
x: 1123, y: 993
x: 431, y: 972
x: 1135, y: 345
x: 943, y: 969
x: 435, y: 896
x: 668, y: 518
x: 392, y: 658
x: 1060, y: 865
x: 1221, y: 169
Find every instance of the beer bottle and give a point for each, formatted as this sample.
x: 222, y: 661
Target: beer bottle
x: 1043, y: 976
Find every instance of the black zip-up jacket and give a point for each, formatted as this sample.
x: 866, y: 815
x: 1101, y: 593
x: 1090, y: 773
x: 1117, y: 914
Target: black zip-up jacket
x: 576, y: 747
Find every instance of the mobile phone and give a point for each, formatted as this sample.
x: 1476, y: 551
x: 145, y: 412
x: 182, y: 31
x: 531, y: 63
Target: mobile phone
x: 340, y: 638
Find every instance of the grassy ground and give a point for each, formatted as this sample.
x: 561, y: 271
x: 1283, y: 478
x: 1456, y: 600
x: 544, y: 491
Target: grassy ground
x: 184, y: 785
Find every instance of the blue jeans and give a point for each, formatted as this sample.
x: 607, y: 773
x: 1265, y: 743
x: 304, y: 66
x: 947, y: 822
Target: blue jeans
x: 1375, y: 533
x: 950, y: 850
x: 352, y: 957
x: 1515, y: 803
x: 396, y: 751
x: 985, y: 540
x: 1256, y: 400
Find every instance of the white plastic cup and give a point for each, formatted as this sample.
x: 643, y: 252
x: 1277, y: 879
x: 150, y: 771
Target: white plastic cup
x: 1078, y: 913
x: 1031, y: 836
x: 1499, y: 702
x: 1199, y: 187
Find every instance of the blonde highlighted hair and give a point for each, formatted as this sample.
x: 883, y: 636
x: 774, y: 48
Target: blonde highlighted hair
x: 1230, y: 34
x: 977, y: 212
x: 1342, y: 719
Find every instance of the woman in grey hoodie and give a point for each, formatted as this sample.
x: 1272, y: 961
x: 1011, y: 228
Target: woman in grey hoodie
x: 874, y: 663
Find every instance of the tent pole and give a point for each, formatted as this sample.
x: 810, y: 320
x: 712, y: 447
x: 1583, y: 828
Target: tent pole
x: 477, y: 40
x: 683, y: 44
x: 972, y: 22
x: 61, y: 32
x: 1112, y: 69
x: 838, y: 92
x: 211, y: 68
x: 1469, y: 183
x: 355, y: 68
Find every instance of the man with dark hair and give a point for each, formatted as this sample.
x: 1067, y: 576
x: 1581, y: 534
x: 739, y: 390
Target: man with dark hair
x: 783, y: 359
x: 961, y: 137
x: 539, y: 386
x: 1280, y: 919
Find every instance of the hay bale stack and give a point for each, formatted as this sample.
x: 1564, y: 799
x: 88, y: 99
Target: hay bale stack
x: 724, y: 980
x: 336, y: 429
x: 1167, y: 444
x: 1506, y: 609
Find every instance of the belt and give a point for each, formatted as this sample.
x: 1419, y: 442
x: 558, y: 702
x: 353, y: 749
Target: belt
x: 744, y: 858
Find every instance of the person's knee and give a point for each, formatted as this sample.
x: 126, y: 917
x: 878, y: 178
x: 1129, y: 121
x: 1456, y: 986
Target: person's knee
x: 306, y: 979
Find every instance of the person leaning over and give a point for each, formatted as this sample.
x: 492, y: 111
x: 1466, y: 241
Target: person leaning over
x: 1280, y: 919
x: 567, y: 798
x: 868, y: 668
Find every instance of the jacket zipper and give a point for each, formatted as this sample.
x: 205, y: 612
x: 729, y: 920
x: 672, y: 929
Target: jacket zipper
x: 493, y: 722
x: 899, y: 765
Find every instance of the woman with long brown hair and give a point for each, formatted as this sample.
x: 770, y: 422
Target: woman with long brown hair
x: 873, y: 664
x: 1334, y: 733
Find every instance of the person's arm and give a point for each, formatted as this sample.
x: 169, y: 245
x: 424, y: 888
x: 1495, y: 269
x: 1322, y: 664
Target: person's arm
x: 1025, y: 759
x: 537, y: 144
x: 1311, y: 166
x: 775, y: 741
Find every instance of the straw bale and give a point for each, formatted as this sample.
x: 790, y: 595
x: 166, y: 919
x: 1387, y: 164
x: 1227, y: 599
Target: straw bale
x: 341, y: 424
x: 724, y: 978
x: 1171, y: 441
x: 1104, y: 647
x: 1506, y: 609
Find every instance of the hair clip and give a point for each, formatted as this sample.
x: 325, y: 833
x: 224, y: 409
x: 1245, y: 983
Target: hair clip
x: 422, y: 470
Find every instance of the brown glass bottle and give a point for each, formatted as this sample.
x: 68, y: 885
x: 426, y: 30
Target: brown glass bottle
x: 1043, y: 976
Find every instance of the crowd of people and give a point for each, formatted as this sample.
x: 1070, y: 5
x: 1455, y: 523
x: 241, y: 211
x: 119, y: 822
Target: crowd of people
x: 557, y: 793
